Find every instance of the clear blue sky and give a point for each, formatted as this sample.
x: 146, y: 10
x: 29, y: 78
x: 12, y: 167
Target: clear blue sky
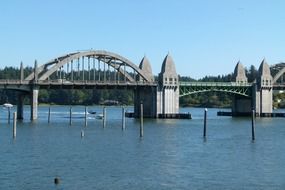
x: 204, y: 37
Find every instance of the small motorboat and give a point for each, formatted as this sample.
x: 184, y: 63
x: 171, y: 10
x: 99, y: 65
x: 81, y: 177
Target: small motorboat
x: 99, y: 116
x: 92, y: 112
x: 7, y: 105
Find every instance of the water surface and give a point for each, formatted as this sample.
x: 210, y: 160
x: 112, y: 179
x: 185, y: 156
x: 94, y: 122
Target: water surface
x: 172, y: 154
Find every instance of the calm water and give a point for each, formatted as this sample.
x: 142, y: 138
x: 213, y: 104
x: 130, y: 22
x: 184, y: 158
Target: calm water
x: 171, y: 155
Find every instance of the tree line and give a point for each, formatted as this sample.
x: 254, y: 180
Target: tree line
x: 126, y: 97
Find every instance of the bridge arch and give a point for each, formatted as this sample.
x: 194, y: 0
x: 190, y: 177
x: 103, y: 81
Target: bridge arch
x: 215, y: 90
x: 278, y: 75
x: 113, y: 60
x: 188, y: 88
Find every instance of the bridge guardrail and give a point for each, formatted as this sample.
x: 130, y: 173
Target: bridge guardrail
x: 67, y: 82
x: 86, y: 82
x: 235, y: 84
x: 75, y: 82
x: 15, y: 82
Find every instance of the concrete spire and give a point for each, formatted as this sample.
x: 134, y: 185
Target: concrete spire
x: 263, y: 94
x: 168, y: 66
x: 239, y: 73
x: 264, y: 79
x: 21, y: 71
x: 264, y: 69
x: 168, y: 93
x: 146, y: 67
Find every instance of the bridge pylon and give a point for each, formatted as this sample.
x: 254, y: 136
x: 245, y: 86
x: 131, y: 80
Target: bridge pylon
x: 145, y: 94
x: 262, y: 93
x: 241, y: 105
x: 34, y: 94
x: 160, y: 101
x: 34, y: 103
x: 168, y: 90
x: 20, y: 105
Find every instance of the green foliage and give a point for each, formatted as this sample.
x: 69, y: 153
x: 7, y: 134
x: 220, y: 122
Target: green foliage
x: 208, y: 99
x: 89, y: 97
x: 279, y: 100
x: 251, y: 73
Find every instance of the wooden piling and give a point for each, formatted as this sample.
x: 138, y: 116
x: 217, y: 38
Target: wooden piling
x: 56, y: 180
x: 253, y: 125
x: 85, y: 116
x: 123, y: 119
x: 82, y: 133
x: 49, y: 114
x: 70, y: 115
x: 104, y: 116
x: 205, y: 123
x: 14, y: 124
x: 141, y: 121
x: 9, y: 115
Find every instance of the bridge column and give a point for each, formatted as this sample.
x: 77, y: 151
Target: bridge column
x: 20, y: 106
x: 34, y: 94
x: 263, y: 91
x: 168, y: 90
x: 21, y: 72
x: 147, y: 96
x: 241, y: 105
x: 34, y: 103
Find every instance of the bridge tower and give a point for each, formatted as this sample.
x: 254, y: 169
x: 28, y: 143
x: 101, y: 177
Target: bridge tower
x: 239, y: 73
x: 262, y: 91
x: 145, y: 94
x: 168, y: 89
x: 21, y: 96
x: 34, y: 94
x: 240, y: 105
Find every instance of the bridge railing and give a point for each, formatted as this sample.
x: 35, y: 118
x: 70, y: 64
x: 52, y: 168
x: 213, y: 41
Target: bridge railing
x: 9, y: 81
x: 67, y: 82
x: 229, y: 84
x: 75, y: 82
x: 60, y: 81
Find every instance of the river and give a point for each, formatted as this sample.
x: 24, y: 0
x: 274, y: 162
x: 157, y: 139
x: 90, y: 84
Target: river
x: 171, y: 155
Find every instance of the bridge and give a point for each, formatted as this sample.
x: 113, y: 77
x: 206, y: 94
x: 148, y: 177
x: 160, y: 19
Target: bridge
x: 160, y: 98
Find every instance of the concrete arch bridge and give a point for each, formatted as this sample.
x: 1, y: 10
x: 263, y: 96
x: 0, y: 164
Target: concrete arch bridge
x: 107, y: 70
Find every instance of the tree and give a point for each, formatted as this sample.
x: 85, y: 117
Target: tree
x: 252, y: 73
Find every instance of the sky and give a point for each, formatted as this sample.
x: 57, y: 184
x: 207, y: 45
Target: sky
x: 204, y: 37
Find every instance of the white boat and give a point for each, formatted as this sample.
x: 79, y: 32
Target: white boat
x: 99, y: 116
x: 7, y: 105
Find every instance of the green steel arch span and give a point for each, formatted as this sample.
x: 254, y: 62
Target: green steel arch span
x: 188, y: 88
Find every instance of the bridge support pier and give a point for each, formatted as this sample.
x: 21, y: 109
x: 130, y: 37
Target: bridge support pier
x: 241, y: 106
x: 262, y: 95
x: 168, y: 90
x: 262, y: 100
x: 20, y: 106
x: 34, y: 103
x: 168, y: 102
x: 146, y: 96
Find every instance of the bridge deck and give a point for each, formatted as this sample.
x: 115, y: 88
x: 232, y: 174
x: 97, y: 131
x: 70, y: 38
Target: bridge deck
x: 61, y: 84
x: 65, y: 84
x: 220, y: 84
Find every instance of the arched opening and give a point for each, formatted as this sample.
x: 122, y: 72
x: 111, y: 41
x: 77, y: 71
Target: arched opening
x: 210, y: 98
